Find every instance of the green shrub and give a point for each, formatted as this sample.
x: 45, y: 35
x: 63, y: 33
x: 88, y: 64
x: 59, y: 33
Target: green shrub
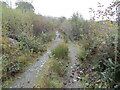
x: 82, y: 53
x: 50, y: 77
x: 44, y: 82
x: 57, y: 67
x: 49, y: 82
x: 60, y: 52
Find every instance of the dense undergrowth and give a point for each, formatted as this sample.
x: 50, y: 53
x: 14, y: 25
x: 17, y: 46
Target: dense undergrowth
x: 25, y: 36
x: 97, y: 43
x: 55, y: 69
x: 101, y: 50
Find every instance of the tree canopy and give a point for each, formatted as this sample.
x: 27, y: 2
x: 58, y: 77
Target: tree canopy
x: 25, y: 6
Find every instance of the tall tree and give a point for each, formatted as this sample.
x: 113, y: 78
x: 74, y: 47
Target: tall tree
x: 25, y: 6
x: 4, y: 4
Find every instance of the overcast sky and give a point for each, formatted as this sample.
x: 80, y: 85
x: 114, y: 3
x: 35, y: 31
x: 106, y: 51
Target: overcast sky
x: 65, y: 8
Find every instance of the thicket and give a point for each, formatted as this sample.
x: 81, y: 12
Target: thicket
x: 98, y: 41
x: 24, y: 37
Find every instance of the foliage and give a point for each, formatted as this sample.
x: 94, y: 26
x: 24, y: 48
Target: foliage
x: 82, y: 53
x: 49, y: 78
x: 54, y: 70
x: 60, y: 52
x: 25, y: 6
x: 20, y: 27
x: 76, y: 22
x: 96, y: 39
x: 100, y: 46
x: 90, y: 77
x: 75, y: 27
x: 43, y: 28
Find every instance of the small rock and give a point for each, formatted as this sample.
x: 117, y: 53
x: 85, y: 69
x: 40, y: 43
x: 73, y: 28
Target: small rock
x: 81, y: 71
x: 78, y: 78
x: 71, y: 76
x: 78, y: 65
x: 73, y: 70
x: 69, y: 81
x: 34, y: 86
x: 74, y: 80
x: 72, y: 73
x: 71, y: 67
x: 41, y: 65
x: 28, y: 82
x: 37, y: 59
x: 66, y: 66
x: 65, y: 83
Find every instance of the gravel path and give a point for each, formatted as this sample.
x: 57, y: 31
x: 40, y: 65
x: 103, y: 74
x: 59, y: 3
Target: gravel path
x: 28, y: 79
x: 72, y: 79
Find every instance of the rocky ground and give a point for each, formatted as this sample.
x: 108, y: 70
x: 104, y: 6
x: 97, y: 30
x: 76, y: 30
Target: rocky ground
x: 72, y: 80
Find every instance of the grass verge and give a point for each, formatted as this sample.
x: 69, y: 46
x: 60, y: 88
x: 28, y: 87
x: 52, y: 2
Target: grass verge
x: 55, y: 69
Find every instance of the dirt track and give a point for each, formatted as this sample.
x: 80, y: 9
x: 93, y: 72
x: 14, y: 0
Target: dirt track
x: 29, y: 77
